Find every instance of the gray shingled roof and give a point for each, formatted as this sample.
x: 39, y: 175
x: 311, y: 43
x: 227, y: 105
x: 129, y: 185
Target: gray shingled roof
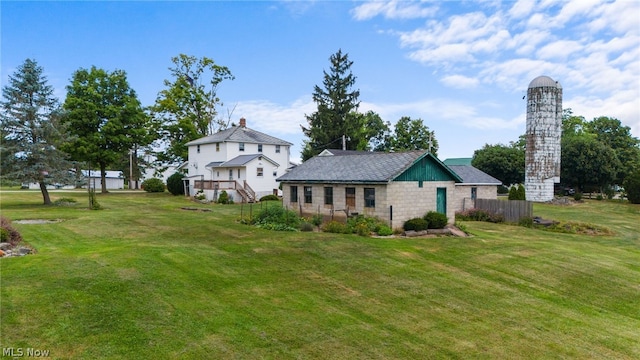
x: 239, y: 160
x: 474, y: 176
x: 239, y: 134
x: 375, y: 167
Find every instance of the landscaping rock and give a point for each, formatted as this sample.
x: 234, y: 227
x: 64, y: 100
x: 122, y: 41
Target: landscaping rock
x: 24, y: 251
x: 5, y: 246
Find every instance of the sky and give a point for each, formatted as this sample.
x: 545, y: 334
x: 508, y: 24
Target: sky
x: 463, y: 67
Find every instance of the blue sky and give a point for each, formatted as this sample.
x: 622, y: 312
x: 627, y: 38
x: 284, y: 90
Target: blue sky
x: 462, y: 67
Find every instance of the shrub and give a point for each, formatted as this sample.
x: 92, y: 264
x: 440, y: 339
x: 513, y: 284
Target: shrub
x: 415, y: 224
x: 479, y: 215
x: 577, y: 196
x: 336, y: 227
x: 153, y: 185
x: 436, y: 220
x: 8, y: 233
x: 277, y: 215
x: 317, y: 219
x: 306, y: 226
x: 175, y: 185
x: 65, y: 202
x: 269, y: 197
x: 526, y: 222
x: 599, y: 197
x: 200, y: 195
x: 384, y: 230
x: 223, y: 198
x: 93, y: 202
x: 632, y: 187
x: 503, y: 189
x: 517, y: 193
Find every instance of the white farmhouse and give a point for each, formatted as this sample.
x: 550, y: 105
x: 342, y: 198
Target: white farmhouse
x: 243, y: 162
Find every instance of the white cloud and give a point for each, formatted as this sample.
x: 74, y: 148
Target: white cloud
x: 459, y: 81
x: 275, y: 118
x: 521, y: 9
x: 393, y: 10
x: 559, y: 50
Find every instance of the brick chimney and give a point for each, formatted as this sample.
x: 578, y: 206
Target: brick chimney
x: 243, y: 122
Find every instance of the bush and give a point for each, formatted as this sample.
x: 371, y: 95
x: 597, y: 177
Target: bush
x: 503, y: 189
x: 8, y: 233
x: 517, y: 193
x: 632, y: 187
x: 436, y: 220
x: 526, y: 222
x: 479, y: 215
x: 415, y: 224
x: 577, y: 196
x: 153, y: 185
x: 224, y: 198
x: 65, y: 202
x: 384, y: 230
x: 269, y: 197
x: 336, y: 227
x: 277, y: 215
x: 175, y: 185
x: 317, y: 219
x: 306, y: 226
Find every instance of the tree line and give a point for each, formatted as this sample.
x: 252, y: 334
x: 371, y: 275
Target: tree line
x: 101, y: 123
x: 596, y: 155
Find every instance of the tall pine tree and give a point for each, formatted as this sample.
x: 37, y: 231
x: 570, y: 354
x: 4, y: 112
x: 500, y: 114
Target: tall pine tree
x: 336, y: 118
x: 32, y: 132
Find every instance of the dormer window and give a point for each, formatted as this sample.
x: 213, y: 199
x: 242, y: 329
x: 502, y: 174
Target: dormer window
x: 241, y: 146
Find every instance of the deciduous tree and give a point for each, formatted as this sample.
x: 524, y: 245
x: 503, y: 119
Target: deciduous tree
x: 104, y: 114
x: 188, y: 108
x: 503, y: 162
x: 587, y: 162
x: 413, y: 134
x: 31, y: 131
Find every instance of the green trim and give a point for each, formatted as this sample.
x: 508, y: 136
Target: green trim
x: 428, y: 168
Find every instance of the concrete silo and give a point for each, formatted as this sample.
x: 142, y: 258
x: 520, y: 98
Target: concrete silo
x: 544, y: 128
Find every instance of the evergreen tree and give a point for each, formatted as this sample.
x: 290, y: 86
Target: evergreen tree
x: 31, y: 131
x: 104, y: 114
x: 336, y: 119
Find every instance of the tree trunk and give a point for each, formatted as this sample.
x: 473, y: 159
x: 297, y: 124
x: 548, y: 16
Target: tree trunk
x: 45, y: 193
x: 103, y: 177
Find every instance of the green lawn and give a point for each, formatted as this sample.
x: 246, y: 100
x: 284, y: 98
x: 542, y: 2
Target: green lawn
x: 145, y: 279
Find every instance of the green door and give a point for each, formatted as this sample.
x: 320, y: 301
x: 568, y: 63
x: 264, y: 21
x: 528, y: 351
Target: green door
x: 441, y: 201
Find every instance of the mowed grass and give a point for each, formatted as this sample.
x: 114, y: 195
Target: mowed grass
x: 145, y: 279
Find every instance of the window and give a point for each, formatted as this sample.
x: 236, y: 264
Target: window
x: 241, y: 146
x: 275, y: 173
x: 238, y: 173
x: 278, y: 149
x: 217, y: 146
x: 198, y: 149
x: 308, y: 198
x: 350, y: 197
x: 474, y: 193
x: 294, y: 194
x: 259, y: 147
x: 328, y: 196
x: 260, y: 172
x: 369, y: 197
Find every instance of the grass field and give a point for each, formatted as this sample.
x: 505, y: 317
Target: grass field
x: 145, y: 279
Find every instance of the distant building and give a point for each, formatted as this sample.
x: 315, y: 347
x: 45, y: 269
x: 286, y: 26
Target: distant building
x: 241, y: 161
x: 544, y: 128
x: 394, y: 187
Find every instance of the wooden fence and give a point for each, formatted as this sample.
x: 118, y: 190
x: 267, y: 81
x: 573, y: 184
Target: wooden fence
x: 512, y: 210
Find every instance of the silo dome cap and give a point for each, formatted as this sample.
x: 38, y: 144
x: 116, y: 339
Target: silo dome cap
x: 543, y: 81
